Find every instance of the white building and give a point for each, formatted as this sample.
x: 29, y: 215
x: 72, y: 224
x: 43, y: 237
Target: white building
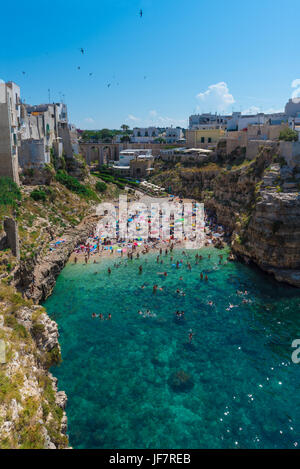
x: 294, y: 123
x: 9, y: 130
x: 173, y: 134
x: 144, y: 135
x: 127, y: 155
x: 207, y: 121
x: 241, y: 122
x: 292, y: 108
x: 45, y: 127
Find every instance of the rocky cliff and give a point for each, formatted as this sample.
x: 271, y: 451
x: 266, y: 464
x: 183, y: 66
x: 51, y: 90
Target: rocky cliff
x: 36, y: 276
x: 32, y: 414
x: 258, y: 201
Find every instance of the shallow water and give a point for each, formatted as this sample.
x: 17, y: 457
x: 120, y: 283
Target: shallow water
x: 243, y: 390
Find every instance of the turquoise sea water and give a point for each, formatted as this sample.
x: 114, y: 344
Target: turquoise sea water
x: 242, y: 389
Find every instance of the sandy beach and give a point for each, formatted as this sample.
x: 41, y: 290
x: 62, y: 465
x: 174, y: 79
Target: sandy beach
x: 98, y: 247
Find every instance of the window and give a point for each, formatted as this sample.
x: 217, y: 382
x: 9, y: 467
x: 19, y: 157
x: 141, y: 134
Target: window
x: 202, y: 140
x: 209, y: 140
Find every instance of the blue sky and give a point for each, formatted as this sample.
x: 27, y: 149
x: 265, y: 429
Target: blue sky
x: 179, y: 58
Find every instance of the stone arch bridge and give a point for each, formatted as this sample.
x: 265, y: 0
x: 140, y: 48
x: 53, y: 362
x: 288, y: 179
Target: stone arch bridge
x: 100, y: 152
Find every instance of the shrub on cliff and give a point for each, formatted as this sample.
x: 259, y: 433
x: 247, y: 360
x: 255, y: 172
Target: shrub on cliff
x: 74, y: 185
x: 288, y: 135
x: 38, y: 194
x: 9, y: 192
x: 101, y: 186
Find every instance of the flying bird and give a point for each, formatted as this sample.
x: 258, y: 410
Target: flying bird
x: 82, y: 51
x: 141, y: 13
x: 23, y: 73
x: 108, y: 85
x: 78, y: 68
x: 90, y: 74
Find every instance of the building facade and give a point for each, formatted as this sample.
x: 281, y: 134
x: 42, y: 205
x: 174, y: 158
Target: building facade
x: 207, y: 121
x: 203, y: 138
x: 173, y: 134
x: 292, y: 108
x: 45, y: 128
x: 144, y: 135
x: 9, y: 130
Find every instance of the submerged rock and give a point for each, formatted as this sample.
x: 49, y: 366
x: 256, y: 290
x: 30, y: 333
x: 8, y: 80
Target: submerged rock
x: 180, y: 381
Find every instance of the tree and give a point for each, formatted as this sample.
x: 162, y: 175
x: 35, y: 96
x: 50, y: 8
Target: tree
x: 125, y: 138
x: 125, y: 127
x: 101, y: 186
x: 160, y: 140
x: 288, y: 135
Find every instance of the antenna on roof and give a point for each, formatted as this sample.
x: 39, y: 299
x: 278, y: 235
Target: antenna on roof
x: 49, y: 96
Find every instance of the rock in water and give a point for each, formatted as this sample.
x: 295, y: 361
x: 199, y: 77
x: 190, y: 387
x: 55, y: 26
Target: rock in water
x: 181, y: 381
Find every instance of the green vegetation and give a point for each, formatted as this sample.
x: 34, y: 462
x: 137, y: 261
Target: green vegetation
x: 9, y: 389
x: 104, y: 135
x: 74, y: 185
x: 107, y: 175
x: 288, y: 135
x: 101, y: 186
x: 38, y: 194
x: 9, y: 192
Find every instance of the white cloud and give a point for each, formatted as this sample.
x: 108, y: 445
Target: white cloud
x: 154, y: 119
x: 89, y: 120
x: 296, y: 92
x: 296, y: 83
x: 216, y: 98
x: 252, y: 110
x: 273, y: 110
x: 132, y: 118
x: 164, y: 121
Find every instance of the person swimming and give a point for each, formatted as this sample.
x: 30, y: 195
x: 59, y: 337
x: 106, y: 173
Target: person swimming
x: 109, y: 316
x: 94, y: 315
x: 140, y: 269
x: 101, y: 316
x: 190, y: 335
x: 109, y: 271
x: 201, y: 276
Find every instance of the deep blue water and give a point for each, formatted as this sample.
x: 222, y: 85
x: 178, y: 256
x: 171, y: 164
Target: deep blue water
x: 242, y: 389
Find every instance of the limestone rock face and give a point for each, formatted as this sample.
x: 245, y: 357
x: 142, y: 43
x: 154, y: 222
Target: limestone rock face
x: 37, y: 277
x: 34, y: 394
x: 258, y: 202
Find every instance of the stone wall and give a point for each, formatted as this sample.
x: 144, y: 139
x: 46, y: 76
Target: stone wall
x: 12, y: 236
x: 290, y: 151
x: 253, y: 147
x: 8, y: 161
